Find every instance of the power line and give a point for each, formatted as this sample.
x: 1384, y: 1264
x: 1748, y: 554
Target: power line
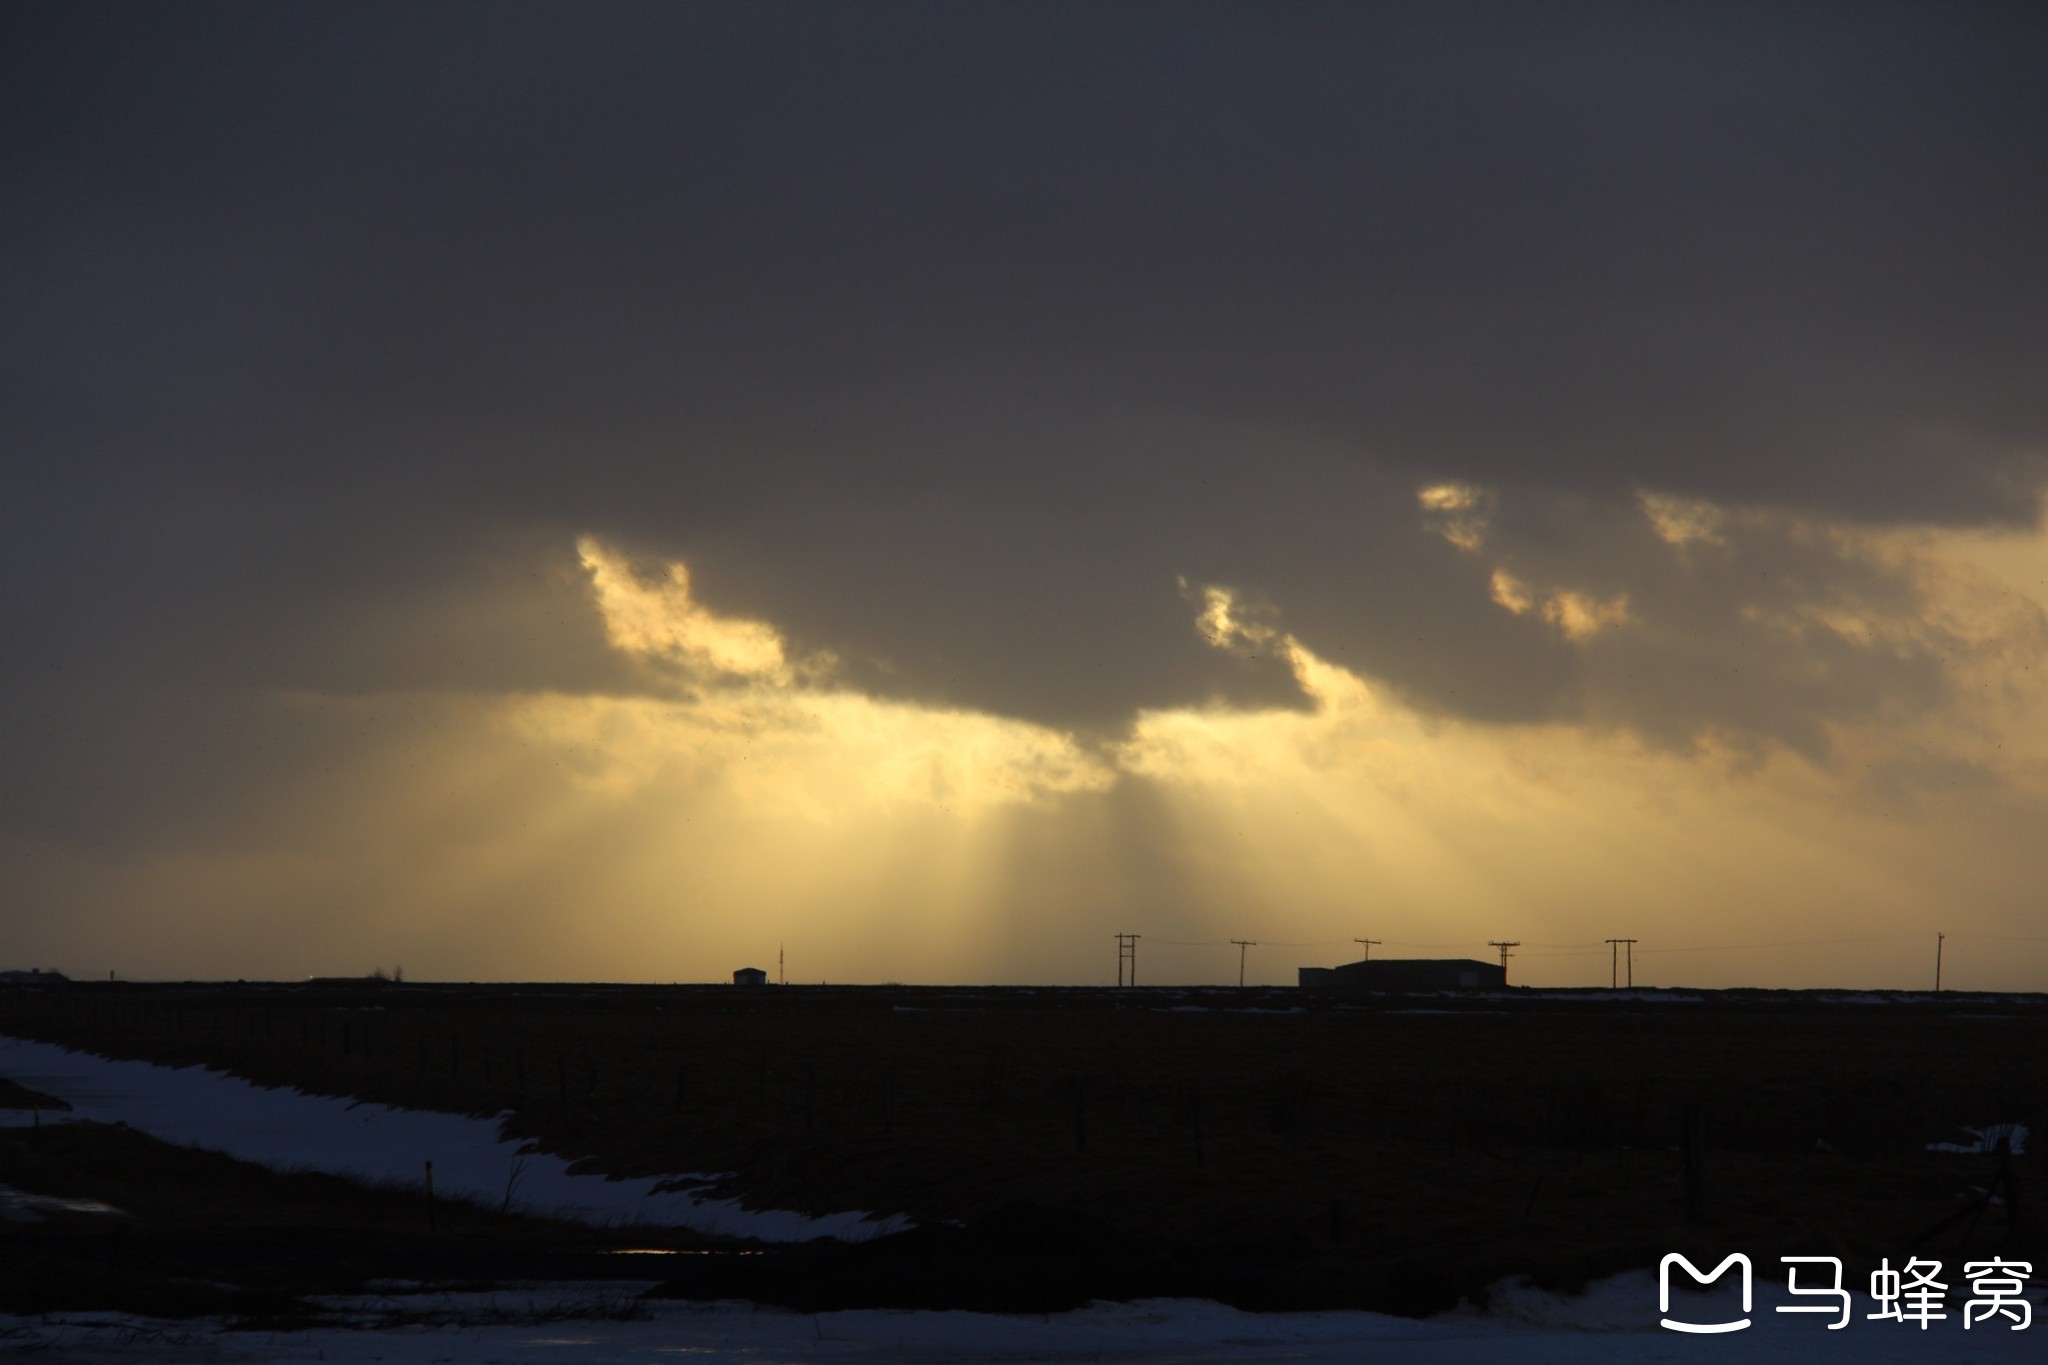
x: 1794, y: 943
x: 1621, y: 951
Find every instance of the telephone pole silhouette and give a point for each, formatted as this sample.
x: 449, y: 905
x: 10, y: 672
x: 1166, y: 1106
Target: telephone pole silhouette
x: 1242, y: 944
x: 1368, y: 942
x: 1937, y: 962
x: 1126, y: 952
x: 1503, y: 944
x: 1613, y: 961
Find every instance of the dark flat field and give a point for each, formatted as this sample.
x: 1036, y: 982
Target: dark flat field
x: 1270, y: 1149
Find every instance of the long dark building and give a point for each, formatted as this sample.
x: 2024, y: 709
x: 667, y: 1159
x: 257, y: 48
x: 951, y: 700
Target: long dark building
x: 1405, y: 974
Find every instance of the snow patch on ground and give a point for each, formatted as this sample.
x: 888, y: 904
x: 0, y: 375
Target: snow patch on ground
x: 2014, y: 1135
x: 19, y: 1206
x: 288, y: 1130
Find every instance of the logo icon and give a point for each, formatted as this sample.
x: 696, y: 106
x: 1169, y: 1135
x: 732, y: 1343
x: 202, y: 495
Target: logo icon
x: 1664, y: 1291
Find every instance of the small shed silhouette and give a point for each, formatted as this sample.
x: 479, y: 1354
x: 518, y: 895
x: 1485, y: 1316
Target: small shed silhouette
x: 1404, y: 974
x: 750, y: 976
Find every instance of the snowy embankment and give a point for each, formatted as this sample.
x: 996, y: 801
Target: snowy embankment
x: 288, y: 1130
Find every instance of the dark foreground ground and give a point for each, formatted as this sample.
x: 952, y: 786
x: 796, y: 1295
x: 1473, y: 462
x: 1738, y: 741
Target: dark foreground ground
x: 1061, y: 1145
x: 180, y: 1232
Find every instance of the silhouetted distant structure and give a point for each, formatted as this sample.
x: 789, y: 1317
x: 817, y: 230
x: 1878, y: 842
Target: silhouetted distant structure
x: 1404, y: 974
x: 750, y: 976
x: 34, y: 976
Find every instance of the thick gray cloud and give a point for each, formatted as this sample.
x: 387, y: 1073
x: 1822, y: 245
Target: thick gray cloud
x: 950, y: 337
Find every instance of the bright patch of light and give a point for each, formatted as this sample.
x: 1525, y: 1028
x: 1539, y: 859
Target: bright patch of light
x: 1512, y: 593
x: 1581, y: 617
x: 777, y: 737
x: 1459, y: 512
x: 1682, y: 521
x: 661, y: 619
x: 1577, y: 614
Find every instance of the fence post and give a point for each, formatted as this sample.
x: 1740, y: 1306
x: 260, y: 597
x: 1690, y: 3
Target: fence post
x: 1695, y: 1160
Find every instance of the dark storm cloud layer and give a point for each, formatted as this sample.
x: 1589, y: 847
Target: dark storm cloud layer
x: 948, y: 337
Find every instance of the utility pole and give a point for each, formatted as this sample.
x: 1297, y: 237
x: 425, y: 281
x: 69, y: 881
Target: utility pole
x: 1937, y: 962
x: 1126, y: 951
x: 1614, y: 946
x: 1503, y: 944
x: 1242, y: 944
x: 781, y: 965
x: 1368, y: 942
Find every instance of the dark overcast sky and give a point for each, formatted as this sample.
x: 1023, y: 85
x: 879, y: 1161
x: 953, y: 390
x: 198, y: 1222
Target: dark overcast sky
x: 950, y: 337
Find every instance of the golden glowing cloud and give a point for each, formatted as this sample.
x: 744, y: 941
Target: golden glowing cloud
x: 775, y: 734
x: 1512, y: 593
x: 662, y: 620
x: 1682, y: 521
x: 1581, y: 617
x: 1577, y: 615
x: 1459, y: 512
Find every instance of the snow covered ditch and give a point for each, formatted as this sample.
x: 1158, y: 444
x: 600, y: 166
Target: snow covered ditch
x: 289, y: 1130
